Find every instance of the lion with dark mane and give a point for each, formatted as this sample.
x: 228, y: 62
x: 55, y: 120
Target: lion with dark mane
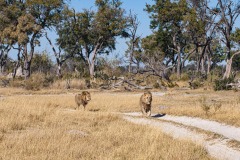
x: 146, y: 103
x: 83, y: 99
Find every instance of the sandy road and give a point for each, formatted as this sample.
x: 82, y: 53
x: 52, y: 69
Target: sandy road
x: 227, y: 131
x: 217, y: 147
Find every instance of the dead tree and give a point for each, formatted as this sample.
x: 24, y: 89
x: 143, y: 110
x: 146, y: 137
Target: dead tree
x: 235, y: 85
x: 228, y: 13
x: 155, y: 66
x: 133, y: 39
x: 59, y: 58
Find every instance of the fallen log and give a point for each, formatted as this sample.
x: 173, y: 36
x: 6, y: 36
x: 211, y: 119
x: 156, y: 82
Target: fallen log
x: 235, y: 85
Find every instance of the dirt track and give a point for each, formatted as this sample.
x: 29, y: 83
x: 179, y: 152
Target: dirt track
x: 216, y: 147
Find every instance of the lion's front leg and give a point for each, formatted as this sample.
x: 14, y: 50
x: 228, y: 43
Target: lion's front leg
x: 84, y: 105
x: 148, y: 113
x: 143, y: 111
x: 77, y: 107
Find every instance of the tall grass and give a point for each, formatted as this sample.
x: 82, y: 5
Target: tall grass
x: 222, y: 106
x: 47, y: 127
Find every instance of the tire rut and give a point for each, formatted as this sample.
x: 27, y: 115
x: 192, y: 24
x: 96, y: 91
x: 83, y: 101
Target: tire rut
x: 217, y: 148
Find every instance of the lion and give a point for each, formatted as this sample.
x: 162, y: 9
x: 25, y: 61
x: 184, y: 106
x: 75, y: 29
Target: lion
x: 83, y: 99
x: 145, y: 103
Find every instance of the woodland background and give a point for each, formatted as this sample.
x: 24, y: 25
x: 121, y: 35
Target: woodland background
x: 192, y: 41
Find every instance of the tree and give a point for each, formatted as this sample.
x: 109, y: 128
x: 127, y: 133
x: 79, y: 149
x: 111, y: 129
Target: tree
x: 60, y: 59
x: 228, y: 12
x: 167, y: 16
x: 134, y: 40
x: 90, y: 33
x: 41, y: 63
x: 9, y: 11
x: 153, y: 57
x: 26, y: 22
x: 200, y: 29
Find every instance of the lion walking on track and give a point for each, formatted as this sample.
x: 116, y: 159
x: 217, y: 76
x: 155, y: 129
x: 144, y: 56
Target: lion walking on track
x: 146, y: 103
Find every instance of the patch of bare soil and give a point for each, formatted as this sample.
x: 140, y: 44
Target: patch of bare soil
x: 217, y: 147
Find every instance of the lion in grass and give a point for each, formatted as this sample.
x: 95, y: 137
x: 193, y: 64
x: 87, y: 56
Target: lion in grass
x: 146, y: 103
x: 83, y: 99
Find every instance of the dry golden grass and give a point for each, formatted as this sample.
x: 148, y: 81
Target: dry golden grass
x: 189, y: 103
x: 47, y: 127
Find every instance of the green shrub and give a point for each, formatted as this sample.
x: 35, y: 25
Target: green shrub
x: 221, y: 84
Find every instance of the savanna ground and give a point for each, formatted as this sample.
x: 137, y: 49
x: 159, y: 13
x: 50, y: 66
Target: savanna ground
x: 44, y: 124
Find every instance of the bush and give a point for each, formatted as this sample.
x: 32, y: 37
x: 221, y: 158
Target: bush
x: 4, y: 82
x: 221, y: 84
x: 204, y: 105
x: 72, y: 84
x: 48, y: 80
x: 184, y: 77
x: 156, y: 85
x: 196, y: 84
x: 38, y: 81
x: 18, y: 82
x: 173, y: 77
x: 35, y: 82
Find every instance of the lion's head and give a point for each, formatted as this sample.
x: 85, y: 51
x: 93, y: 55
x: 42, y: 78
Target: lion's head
x: 147, y: 97
x: 86, y: 95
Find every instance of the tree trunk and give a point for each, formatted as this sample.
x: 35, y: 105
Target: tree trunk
x: 2, y: 62
x: 59, y: 66
x: 18, y: 62
x: 131, y: 58
x: 209, y: 59
x: 58, y: 57
x: 27, y: 62
x: 209, y: 64
x: 28, y: 58
x: 26, y: 70
x: 228, y: 69
x: 3, y: 57
x: 92, y: 70
x: 179, y: 63
x: 229, y: 62
x: 130, y: 64
x: 203, y: 69
x: 59, y: 70
x: 138, y: 65
x: 229, y: 65
x: 200, y: 64
x: 91, y: 63
x: 176, y: 46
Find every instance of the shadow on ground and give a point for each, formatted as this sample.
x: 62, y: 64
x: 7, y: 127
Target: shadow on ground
x: 158, y: 115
